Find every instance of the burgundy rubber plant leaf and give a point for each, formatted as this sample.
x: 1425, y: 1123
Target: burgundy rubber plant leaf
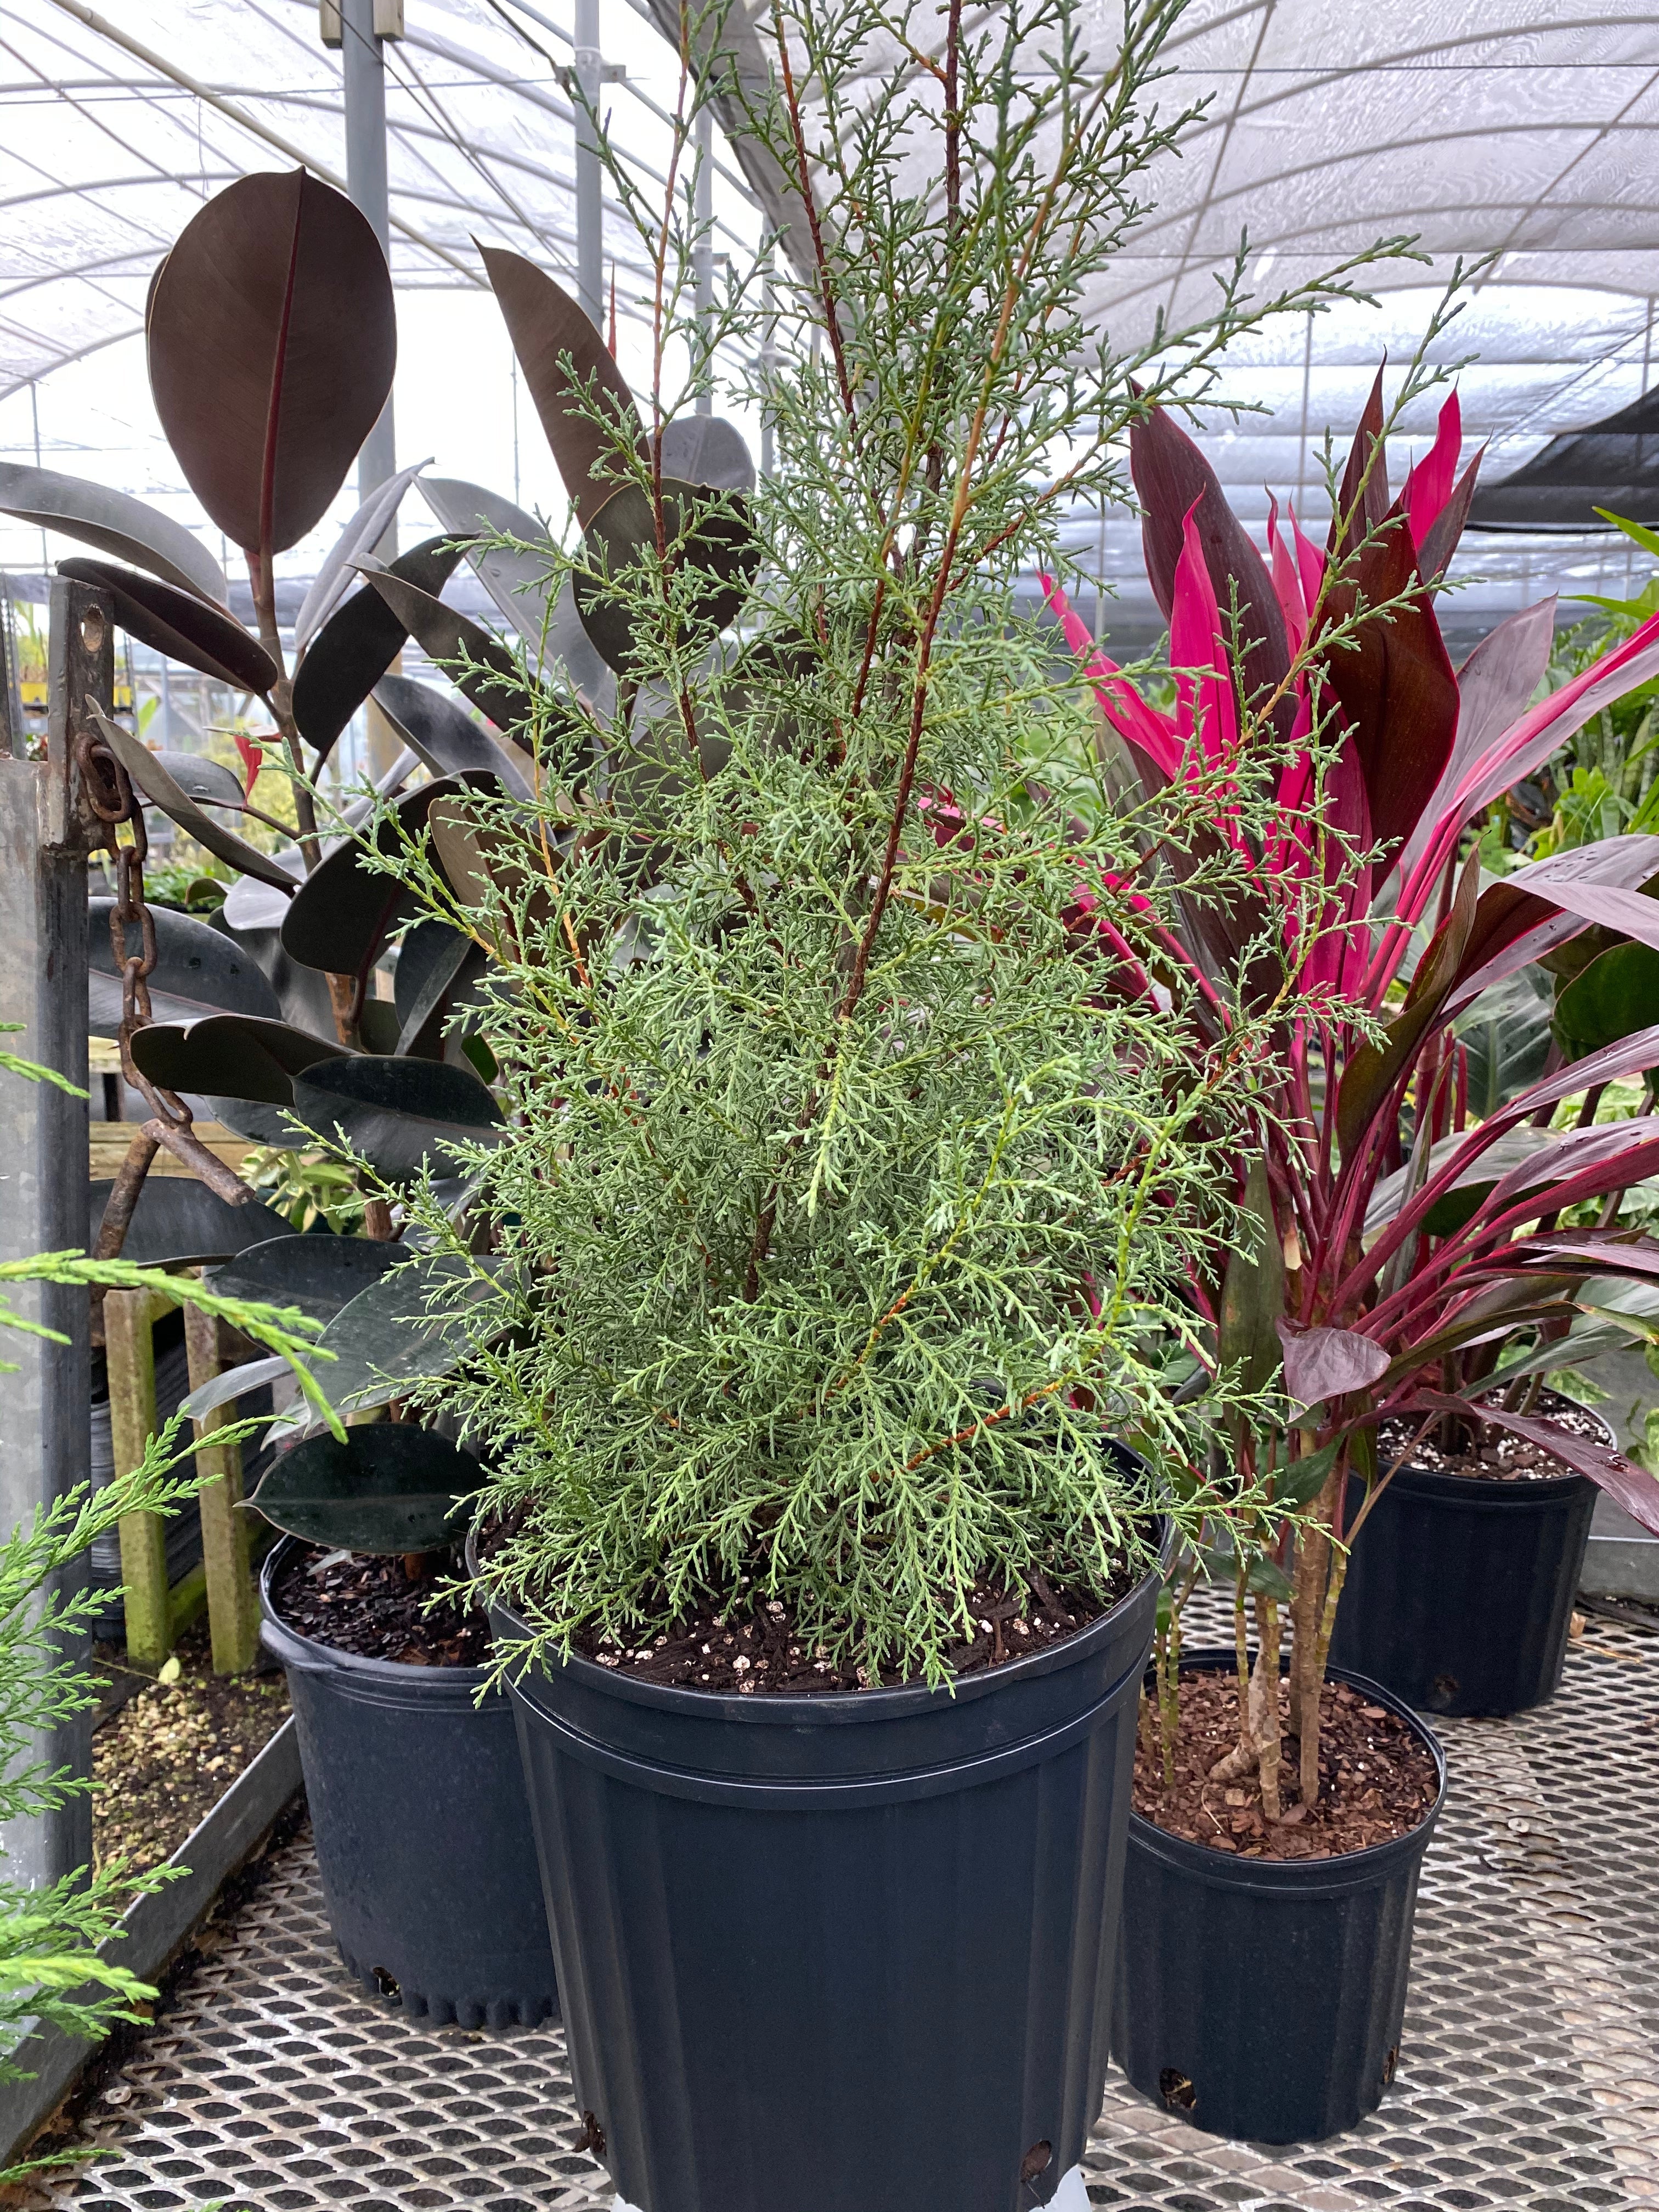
x: 271, y: 340
x: 568, y: 369
x: 1329, y: 1363
x: 1628, y: 1486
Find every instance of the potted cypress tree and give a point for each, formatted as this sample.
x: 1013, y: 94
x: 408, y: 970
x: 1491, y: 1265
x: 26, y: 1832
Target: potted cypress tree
x: 842, y: 1221
x: 1408, y: 1280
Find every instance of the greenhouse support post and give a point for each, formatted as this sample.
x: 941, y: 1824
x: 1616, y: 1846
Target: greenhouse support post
x: 363, y: 24
x: 590, y: 179
x: 46, y: 830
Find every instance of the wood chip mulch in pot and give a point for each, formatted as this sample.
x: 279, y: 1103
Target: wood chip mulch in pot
x: 1375, y: 1778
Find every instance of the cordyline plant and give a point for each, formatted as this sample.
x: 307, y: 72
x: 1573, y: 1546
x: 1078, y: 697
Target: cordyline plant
x: 1399, y: 1243
x: 839, y: 1213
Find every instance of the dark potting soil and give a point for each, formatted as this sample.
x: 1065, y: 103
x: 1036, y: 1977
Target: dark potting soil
x: 1375, y: 1779
x: 359, y: 1602
x: 760, y: 1649
x: 1498, y: 1456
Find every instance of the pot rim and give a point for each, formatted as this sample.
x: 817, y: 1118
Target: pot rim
x: 794, y: 1709
x: 1329, y: 1874
x: 317, y: 1657
x: 1467, y: 1488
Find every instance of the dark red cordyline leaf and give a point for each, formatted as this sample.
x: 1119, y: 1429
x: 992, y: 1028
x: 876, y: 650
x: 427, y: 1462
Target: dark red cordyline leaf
x: 1518, y: 919
x: 1440, y: 540
x: 1363, y: 514
x: 1394, y: 684
x: 272, y: 339
x: 1327, y: 1363
x: 1169, y: 474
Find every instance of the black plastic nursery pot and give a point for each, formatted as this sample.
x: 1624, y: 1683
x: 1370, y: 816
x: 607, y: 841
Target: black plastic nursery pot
x: 841, y: 1952
x: 1459, y: 1591
x: 1263, y: 1999
x: 423, y: 1832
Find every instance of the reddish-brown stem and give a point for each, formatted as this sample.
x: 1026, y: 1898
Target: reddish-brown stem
x: 820, y: 259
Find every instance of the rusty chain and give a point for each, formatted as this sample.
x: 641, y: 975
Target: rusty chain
x: 109, y: 794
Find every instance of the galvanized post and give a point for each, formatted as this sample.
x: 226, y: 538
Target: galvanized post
x: 129, y: 1348
x: 46, y: 1405
x: 589, y: 75
x: 364, y: 68
x: 363, y: 65
x: 232, y: 1608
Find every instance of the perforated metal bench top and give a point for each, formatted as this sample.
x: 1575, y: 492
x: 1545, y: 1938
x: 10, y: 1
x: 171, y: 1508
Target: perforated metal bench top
x: 1528, y: 2077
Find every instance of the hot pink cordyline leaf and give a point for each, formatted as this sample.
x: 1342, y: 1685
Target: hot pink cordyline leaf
x: 1429, y: 486
x: 1198, y: 653
x: 1122, y: 704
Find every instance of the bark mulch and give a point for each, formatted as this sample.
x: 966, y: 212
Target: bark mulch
x: 359, y: 1602
x: 1375, y: 1779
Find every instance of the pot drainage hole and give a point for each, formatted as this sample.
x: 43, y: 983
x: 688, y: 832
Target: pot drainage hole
x: 1176, y: 2090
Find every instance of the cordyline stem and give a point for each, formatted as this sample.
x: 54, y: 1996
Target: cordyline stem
x: 342, y: 989
x: 1313, y: 1559
x: 1266, y: 1623
x: 1243, y: 1757
x: 1169, y: 1692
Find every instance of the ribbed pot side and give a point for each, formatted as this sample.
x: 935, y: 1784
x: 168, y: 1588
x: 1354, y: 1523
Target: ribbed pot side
x: 1459, y: 1592
x: 422, y: 1832
x: 843, y: 1952
x: 1263, y: 1999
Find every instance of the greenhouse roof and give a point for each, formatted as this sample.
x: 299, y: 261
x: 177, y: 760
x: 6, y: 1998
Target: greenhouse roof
x: 1514, y: 129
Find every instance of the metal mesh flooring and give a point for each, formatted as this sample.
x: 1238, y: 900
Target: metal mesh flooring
x: 1528, y: 2079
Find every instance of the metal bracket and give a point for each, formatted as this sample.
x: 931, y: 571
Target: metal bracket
x: 570, y: 76
x: 81, y: 674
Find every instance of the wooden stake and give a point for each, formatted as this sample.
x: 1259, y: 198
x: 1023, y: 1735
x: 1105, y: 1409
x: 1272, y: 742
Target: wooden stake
x: 129, y: 1351
x: 232, y: 1606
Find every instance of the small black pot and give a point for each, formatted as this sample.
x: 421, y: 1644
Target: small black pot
x: 840, y: 1951
x: 1459, y: 1592
x: 1264, y: 1998
x: 422, y: 1833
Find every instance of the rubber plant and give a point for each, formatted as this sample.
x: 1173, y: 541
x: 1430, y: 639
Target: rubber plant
x: 271, y: 341
x: 1401, y: 1245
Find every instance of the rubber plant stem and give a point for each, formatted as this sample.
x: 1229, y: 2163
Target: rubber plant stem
x: 341, y: 989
